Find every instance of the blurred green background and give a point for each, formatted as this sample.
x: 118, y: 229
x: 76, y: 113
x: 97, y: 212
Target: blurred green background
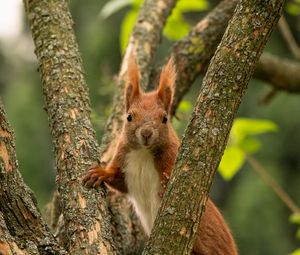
x: 259, y: 220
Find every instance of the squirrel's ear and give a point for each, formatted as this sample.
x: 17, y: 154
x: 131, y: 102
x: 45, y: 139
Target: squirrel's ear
x: 167, y: 84
x: 132, y: 89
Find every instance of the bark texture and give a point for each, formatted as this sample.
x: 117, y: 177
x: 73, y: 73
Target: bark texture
x: 193, y: 53
x: 206, y: 135
x: 85, y: 213
x: 22, y: 229
x: 86, y: 225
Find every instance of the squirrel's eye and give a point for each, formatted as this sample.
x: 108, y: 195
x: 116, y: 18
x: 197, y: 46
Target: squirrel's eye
x: 129, y: 117
x: 165, y: 119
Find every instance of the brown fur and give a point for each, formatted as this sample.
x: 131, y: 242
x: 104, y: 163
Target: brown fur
x: 146, y: 128
x: 167, y: 83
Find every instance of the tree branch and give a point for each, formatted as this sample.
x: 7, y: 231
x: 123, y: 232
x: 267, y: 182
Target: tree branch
x: 65, y: 92
x: 206, y: 135
x: 282, y: 74
x: 22, y: 229
x: 268, y: 179
x: 193, y: 52
x: 288, y: 37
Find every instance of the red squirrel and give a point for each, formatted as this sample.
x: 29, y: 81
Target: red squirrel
x: 145, y: 156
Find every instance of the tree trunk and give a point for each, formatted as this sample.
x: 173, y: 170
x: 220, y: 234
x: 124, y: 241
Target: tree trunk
x: 85, y: 214
x: 86, y: 223
x: 205, y: 138
x: 22, y: 229
x: 193, y: 52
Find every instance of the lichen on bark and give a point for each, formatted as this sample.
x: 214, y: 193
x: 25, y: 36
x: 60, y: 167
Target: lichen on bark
x: 86, y: 216
x: 85, y: 213
x: 193, y: 52
x: 206, y: 135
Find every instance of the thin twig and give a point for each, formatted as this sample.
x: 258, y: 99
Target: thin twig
x: 288, y: 37
x: 261, y: 171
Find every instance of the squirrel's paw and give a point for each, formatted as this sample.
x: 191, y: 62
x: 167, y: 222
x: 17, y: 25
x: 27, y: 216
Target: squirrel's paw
x: 94, y: 177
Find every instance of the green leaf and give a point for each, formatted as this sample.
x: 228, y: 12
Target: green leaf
x: 192, y: 5
x: 244, y: 127
x: 295, y: 218
x: 250, y: 144
x: 176, y: 26
x: 126, y: 28
x: 137, y: 3
x: 185, y: 106
x: 296, y: 252
x: 231, y: 162
x: 112, y: 7
x: 241, y: 142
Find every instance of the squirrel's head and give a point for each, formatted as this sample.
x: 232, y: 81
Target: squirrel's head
x: 147, y: 124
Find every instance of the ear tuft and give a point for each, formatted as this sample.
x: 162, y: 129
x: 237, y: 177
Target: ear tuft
x: 167, y: 83
x: 133, y: 72
x: 132, y: 89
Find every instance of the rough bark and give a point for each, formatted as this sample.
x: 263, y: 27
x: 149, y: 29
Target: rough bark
x: 206, y: 135
x: 85, y: 213
x: 22, y: 229
x: 86, y: 218
x: 193, y: 53
x: 127, y: 230
x: 282, y: 74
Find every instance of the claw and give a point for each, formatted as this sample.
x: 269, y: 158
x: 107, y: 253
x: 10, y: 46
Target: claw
x: 89, y: 183
x: 97, y: 183
x: 94, y: 177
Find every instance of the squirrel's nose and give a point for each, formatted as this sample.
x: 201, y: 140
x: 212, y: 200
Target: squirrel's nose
x: 146, y: 133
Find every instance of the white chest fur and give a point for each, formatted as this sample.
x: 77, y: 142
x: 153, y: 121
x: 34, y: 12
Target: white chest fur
x: 143, y: 184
